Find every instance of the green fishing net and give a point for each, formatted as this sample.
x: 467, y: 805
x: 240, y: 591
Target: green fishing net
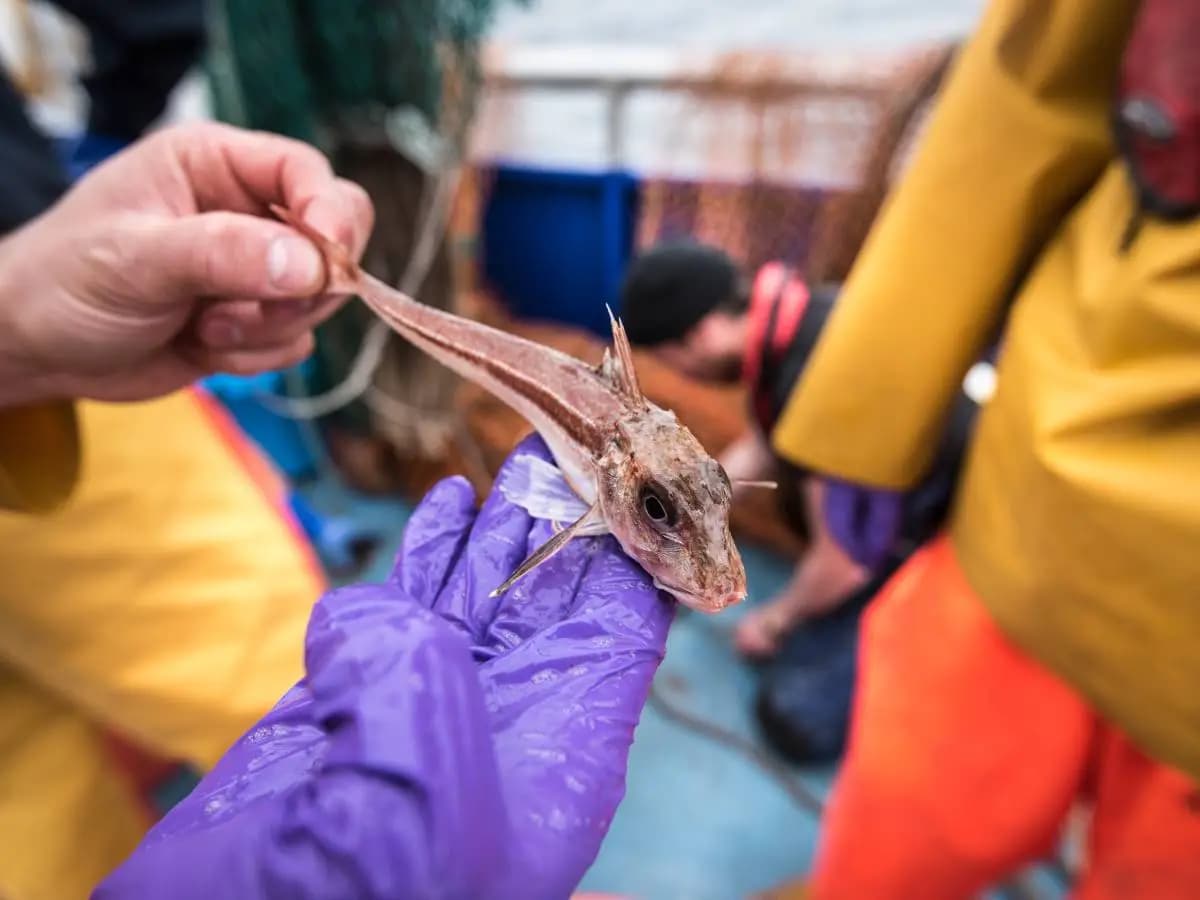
x: 297, y: 66
x: 366, y: 82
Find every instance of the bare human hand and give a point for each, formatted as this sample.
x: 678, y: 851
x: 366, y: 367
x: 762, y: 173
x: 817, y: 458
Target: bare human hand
x: 161, y: 266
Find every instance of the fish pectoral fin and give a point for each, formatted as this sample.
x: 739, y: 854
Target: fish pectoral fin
x: 547, y: 550
x: 541, y: 489
x: 595, y: 528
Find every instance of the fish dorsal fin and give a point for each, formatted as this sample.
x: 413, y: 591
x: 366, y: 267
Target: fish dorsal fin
x: 604, y: 367
x: 619, y: 368
x: 608, y: 370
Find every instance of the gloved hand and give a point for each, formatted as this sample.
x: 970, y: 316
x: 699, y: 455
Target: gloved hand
x: 864, y: 521
x: 442, y: 743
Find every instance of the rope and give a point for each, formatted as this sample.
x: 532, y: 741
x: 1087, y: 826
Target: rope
x: 804, y: 798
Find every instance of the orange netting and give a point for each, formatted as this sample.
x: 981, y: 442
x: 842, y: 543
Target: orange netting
x: 813, y: 160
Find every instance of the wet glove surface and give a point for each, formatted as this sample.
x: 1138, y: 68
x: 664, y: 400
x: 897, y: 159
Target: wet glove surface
x: 443, y: 743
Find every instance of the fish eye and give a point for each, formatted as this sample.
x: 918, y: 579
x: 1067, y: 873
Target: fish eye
x: 658, y: 507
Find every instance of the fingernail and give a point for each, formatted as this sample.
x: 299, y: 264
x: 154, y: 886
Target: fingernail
x: 294, y: 265
x: 222, y: 333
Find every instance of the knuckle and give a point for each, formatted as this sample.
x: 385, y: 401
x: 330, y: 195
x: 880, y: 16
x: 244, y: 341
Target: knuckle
x: 215, y: 240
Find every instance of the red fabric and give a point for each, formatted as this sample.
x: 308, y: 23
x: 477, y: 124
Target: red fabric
x: 965, y: 757
x: 767, y: 284
x: 792, y: 305
x: 775, y: 288
x: 1161, y: 67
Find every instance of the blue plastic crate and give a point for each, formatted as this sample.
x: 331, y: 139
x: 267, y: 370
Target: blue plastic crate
x: 555, y: 244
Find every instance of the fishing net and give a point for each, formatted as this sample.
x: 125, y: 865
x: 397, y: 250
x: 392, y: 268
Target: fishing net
x: 793, y: 162
x: 771, y: 156
x: 387, y: 88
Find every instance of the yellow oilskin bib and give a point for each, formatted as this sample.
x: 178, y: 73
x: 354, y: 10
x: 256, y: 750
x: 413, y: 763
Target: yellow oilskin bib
x: 164, y: 600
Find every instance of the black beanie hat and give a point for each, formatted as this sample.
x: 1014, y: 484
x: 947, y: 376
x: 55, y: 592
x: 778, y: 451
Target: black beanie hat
x: 672, y: 286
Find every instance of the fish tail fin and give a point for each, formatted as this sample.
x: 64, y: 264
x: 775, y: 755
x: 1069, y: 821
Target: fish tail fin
x: 341, y: 272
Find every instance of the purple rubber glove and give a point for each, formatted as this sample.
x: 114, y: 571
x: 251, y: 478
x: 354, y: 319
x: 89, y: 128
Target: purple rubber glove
x: 443, y: 744
x: 864, y: 521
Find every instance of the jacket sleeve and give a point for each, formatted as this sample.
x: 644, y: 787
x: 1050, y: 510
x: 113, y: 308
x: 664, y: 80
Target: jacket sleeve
x: 39, y: 457
x: 1017, y: 136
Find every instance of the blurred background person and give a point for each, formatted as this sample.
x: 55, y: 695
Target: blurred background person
x: 700, y: 312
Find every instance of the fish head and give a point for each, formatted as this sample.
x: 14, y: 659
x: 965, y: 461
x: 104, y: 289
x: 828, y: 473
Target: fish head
x: 667, y: 503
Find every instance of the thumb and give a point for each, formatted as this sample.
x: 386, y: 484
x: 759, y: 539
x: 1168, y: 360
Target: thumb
x: 229, y: 254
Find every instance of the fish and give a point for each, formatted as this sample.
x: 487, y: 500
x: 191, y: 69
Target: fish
x: 638, y: 472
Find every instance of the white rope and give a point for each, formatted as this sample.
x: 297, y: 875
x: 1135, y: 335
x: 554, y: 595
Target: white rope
x: 357, y: 382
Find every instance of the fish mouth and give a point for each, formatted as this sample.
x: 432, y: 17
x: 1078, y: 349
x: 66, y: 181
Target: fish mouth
x: 698, y: 602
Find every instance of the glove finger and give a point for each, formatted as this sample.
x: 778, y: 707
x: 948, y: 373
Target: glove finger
x: 544, y: 596
x: 565, y: 704
x: 433, y: 540
x: 368, y: 780
x: 622, y: 595
x: 494, y: 550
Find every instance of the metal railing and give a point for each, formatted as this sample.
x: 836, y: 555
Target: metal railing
x: 616, y: 73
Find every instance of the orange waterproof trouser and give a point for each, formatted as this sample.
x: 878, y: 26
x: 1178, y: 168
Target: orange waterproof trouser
x: 965, y: 756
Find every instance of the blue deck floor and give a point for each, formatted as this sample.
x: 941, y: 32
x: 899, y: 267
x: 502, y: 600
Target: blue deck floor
x: 699, y: 820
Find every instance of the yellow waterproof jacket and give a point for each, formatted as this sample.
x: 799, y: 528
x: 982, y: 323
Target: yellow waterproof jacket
x: 1078, y: 519
x: 159, y: 593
